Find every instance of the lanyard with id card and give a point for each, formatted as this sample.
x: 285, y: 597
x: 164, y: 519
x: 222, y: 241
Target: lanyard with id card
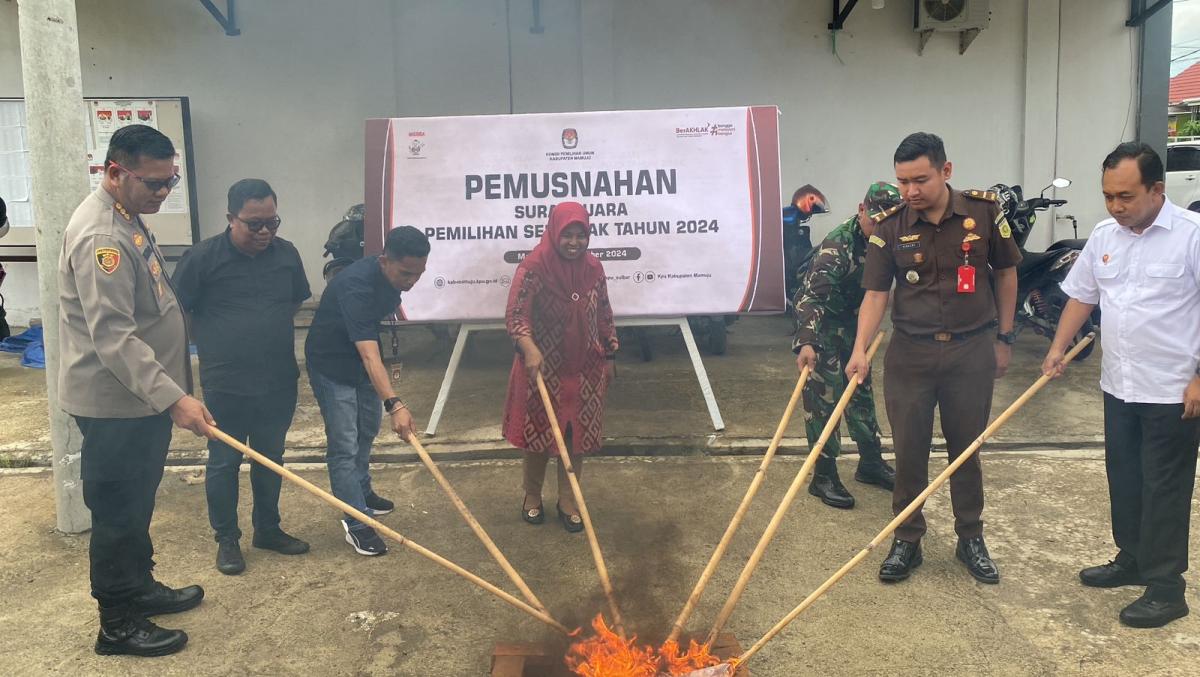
x: 966, y: 272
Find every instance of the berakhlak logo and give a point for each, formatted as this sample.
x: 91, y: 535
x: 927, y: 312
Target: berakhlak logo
x: 570, y: 138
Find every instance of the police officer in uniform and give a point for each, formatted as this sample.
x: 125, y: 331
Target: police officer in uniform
x: 826, y: 324
x: 953, y: 259
x: 125, y: 376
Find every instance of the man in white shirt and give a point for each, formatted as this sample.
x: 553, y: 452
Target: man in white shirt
x: 1143, y: 268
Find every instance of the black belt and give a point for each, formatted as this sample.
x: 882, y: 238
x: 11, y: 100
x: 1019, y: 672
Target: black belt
x: 947, y: 336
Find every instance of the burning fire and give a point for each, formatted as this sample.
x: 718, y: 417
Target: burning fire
x: 605, y: 654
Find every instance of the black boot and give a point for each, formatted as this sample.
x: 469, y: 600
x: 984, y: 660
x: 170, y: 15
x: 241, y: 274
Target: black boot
x: 872, y: 469
x: 902, y: 559
x: 123, y: 631
x: 159, y: 599
x: 827, y: 486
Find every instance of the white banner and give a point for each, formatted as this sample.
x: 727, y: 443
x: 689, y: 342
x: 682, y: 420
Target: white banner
x: 684, y: 205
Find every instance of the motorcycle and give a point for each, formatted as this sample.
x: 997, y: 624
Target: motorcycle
x: 1040, y: 298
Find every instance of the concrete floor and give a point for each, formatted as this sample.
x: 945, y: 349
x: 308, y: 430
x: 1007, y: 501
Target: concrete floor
x: 332, y: 612
x: 660, y: 504
x: 653, y: 407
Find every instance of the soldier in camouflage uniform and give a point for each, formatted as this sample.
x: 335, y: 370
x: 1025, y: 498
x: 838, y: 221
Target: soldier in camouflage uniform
x: 826, y: 322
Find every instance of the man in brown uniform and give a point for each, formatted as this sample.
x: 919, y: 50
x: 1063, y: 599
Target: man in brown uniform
x: 939, y: 247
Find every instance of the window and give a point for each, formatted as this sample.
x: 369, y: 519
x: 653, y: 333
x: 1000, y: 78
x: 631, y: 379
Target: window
x: 1183, y: 159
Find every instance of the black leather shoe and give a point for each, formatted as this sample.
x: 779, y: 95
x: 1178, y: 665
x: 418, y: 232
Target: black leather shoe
x: 280, y: 542
x: 1151, y: 613
x: 160, y: 599
x: 827, y: 486
x: 1111, y: 575
x: 125, y: 632
x: 903, y: 558
x: 973, y: 553
x: 229, y: 557
x: 876, y: 472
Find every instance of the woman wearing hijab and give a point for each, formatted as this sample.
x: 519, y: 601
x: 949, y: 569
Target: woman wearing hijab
x: 559, y: 317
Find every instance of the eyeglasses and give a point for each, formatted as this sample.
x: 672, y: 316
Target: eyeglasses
x: 153, y: 185
x: 258, y: 224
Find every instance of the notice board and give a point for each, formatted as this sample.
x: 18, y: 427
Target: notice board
x: 176, y: 226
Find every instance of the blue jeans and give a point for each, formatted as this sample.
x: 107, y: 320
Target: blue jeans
x: 352, y: 414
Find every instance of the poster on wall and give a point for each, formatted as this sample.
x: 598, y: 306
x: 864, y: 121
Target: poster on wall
x: 107, y: 117
x: 684, y: 205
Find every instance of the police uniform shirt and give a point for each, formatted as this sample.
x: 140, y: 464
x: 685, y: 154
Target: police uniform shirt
x: 923, y: 258
x: 123, y: 340
x: 242, y: 309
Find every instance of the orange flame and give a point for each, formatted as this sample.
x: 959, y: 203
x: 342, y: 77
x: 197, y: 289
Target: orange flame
x: 605, y: 654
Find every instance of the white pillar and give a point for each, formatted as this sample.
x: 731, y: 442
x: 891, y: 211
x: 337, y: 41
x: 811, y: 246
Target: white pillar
x: 54, y: 110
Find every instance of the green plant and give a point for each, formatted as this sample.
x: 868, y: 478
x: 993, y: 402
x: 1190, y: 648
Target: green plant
x: 1188, y: 128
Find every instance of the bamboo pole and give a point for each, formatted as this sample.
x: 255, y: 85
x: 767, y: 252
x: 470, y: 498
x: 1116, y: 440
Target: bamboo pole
x: 913, y: 506
x: 325, y: 496
x: 565, y: 459
x: 831, y: 427
x: 742, y: 509
x: 474, y: 524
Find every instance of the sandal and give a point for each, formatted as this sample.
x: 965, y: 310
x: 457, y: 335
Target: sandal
x: 535, y: 515
x: 572, y: 523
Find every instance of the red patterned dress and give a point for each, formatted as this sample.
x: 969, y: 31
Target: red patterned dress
x: 571, y: 329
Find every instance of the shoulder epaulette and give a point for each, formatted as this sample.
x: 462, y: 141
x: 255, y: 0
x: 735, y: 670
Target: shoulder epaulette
x: 889, y: 212
x: 989, y: 195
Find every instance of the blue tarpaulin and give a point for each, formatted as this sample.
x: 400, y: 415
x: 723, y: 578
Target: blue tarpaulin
x: 29, y: 344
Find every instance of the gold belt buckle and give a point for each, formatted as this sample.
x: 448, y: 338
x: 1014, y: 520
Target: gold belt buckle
x: 942, y: 336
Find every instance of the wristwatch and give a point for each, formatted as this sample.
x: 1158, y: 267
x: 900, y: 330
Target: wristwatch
x: 1009, y: 338
x: 393, y: 404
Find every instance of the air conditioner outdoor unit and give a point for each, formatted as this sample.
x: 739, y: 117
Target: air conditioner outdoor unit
x: 952, y: 15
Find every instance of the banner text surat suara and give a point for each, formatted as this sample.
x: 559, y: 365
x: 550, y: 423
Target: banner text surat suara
x: 684, y: 205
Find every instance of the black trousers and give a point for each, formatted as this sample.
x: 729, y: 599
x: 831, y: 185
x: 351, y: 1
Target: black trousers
x: 1150, y: 456
x: 261, y: 422
x: 121, y: 465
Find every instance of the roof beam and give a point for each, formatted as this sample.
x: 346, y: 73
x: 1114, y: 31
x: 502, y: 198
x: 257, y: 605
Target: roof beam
x: 227, y: 19
x: 1139, y: 13
x: 840, y: 14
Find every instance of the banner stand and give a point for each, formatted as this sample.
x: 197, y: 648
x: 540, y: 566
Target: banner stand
x: 465, y: 329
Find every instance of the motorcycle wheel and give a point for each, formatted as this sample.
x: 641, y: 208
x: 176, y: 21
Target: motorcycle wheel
x: 1086, y: 329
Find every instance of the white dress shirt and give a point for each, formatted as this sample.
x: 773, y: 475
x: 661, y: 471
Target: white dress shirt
x: 1148, y: 288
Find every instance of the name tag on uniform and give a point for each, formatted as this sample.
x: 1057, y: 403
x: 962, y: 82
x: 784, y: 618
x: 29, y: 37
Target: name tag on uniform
x: 908, y: 245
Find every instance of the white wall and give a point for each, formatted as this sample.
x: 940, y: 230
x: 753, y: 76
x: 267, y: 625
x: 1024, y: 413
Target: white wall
x: 285, y: 100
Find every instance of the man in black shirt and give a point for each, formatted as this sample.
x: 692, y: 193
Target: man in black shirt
x: 242, y: 289
x: 348, y: 377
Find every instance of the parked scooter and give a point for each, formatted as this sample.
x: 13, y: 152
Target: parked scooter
x: 1040, y: 298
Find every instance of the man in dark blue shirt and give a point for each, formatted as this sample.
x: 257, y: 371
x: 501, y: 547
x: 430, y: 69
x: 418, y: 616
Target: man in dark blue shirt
x: 242, y: 289
x: 348, y: 377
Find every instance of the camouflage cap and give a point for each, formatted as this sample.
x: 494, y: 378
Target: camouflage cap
x: 881, y: 196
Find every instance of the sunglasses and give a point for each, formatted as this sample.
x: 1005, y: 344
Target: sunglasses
x: 153, y: 185
x: 257, y: 225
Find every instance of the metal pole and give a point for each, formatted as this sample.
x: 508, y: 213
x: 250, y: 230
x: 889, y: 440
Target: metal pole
x: 1154, y: 79
x: 54, y: 109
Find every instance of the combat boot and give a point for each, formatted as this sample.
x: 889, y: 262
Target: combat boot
x: 872, y: 469
x: 827, y: 486
x: 124, y: 631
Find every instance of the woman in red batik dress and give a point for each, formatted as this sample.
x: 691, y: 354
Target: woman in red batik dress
x: 560, y: 319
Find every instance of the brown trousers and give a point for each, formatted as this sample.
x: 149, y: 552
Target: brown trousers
x: 957, y: 378
x: 535, y: 473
